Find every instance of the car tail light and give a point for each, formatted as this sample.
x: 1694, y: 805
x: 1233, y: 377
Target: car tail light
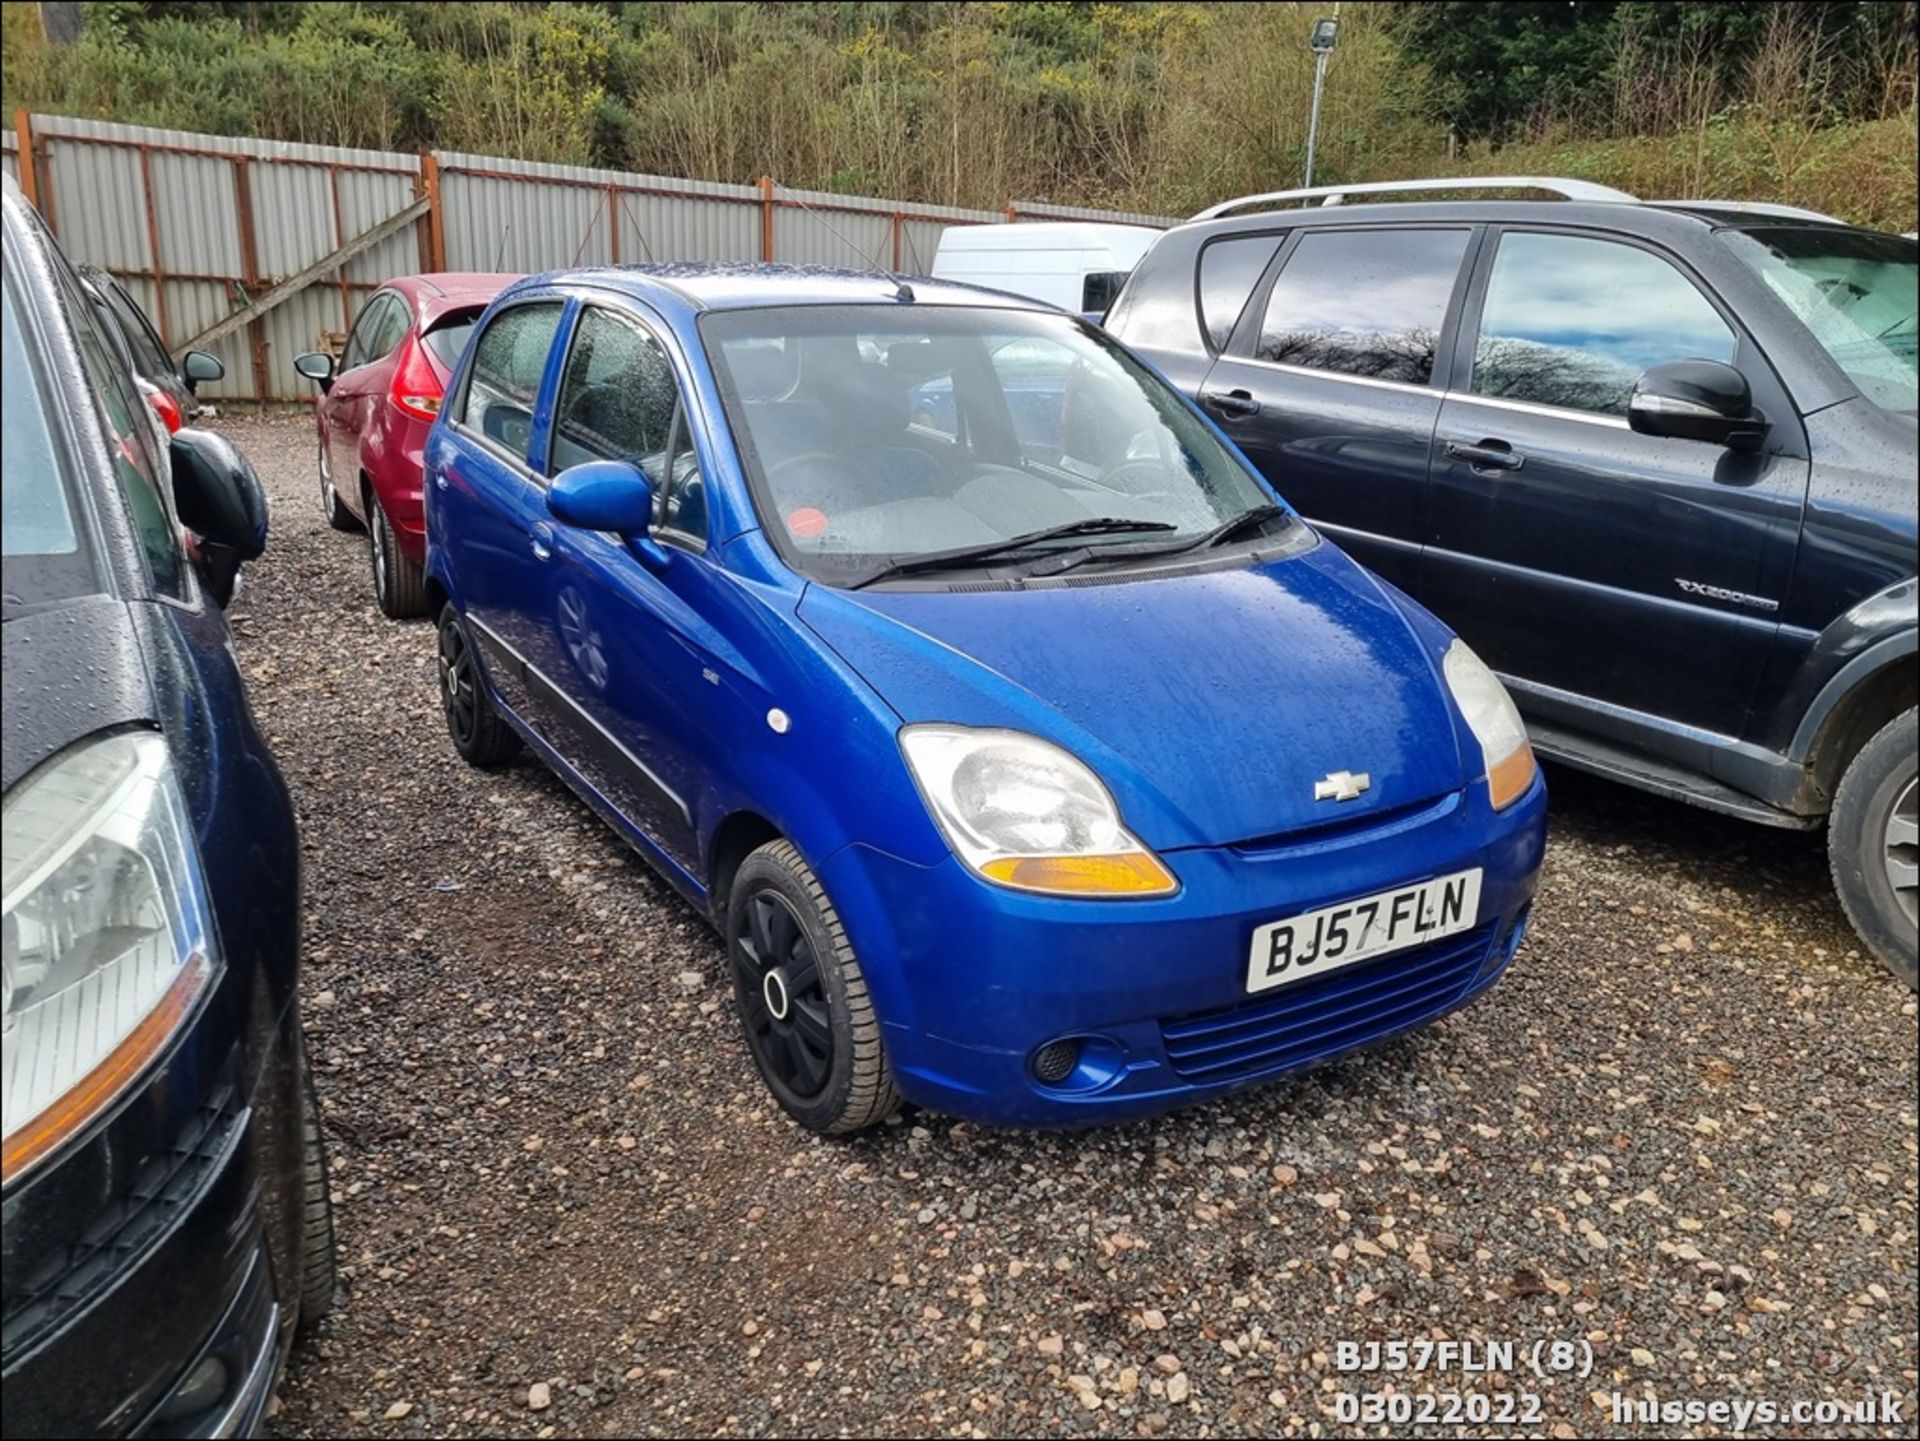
x: 164, y: 406
x: 416, y: 386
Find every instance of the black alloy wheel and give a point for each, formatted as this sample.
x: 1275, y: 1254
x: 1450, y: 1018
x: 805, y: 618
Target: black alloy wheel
x: 783, y: 1000
x: 479, y: 733
x: 458, y: 692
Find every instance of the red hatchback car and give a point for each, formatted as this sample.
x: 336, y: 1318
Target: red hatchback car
x: 374, y: 410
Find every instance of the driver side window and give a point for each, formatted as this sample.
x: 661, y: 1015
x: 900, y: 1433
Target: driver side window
x: 618, y: 401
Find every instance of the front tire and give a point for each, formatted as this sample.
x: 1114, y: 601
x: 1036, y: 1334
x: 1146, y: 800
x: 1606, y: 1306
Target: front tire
x: 317, y: 1272
x: 482, y: 737
x: 1873, y: 845
x: 337, y: 515
x: 803, y: 1002
x: 399, y: 585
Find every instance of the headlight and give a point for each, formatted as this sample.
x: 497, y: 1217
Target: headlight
x: 1495, y: 723
x: 1021, y: 812
x: 106, y: 945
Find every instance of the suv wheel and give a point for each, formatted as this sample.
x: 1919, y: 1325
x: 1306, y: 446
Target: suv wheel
x: 479, y: 734
x: 338, y: 516
x: 317, y: 1277
x: 802, y: 998
x: 398, y: 584
x: 1873, y: 844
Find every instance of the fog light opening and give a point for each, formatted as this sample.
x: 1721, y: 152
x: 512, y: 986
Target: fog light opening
x: 1055, y: 1061
x: 203, y: 1389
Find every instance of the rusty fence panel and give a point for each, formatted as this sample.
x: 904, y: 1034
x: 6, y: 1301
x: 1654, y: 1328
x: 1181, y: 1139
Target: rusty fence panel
x: 196, y: 226
x: 199, y: 226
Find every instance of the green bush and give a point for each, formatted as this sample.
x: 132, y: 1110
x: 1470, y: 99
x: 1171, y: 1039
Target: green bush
x: 1152, y: 106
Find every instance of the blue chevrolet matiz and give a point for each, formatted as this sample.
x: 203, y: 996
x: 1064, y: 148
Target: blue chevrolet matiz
x: 1035, y: 761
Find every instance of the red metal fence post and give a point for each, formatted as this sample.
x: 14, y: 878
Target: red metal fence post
x: 340, y: 239
x: 766, y: 217
x: 1012, y: 213
x: 153, y: 244
x: 29, y: 172
x: 896, y: 240
x: 250, y: 273
x: 436, y: 222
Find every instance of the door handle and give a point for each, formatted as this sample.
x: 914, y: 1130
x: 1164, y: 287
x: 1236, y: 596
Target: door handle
x: 1488, y: 457
x: 542, y: 541
x: 1231, y: 403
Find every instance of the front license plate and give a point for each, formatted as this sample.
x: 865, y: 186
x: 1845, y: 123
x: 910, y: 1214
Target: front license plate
x: 1325, y: 940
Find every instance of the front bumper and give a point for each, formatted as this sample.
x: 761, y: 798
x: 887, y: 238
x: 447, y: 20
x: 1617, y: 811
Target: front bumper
x: 161, y: 1320
x: 972, y: 980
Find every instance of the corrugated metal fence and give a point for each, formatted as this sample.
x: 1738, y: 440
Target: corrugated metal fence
x: 200, y: 227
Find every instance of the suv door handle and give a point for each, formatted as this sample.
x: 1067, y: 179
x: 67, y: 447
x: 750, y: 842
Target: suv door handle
x: 1488, y: 457
x: 542, y: 541
x: 1231, y: 403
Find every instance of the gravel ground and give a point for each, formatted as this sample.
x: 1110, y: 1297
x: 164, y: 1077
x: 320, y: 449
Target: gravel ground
x: 1682, y: 1131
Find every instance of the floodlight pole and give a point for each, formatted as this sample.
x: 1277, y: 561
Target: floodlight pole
x: 1313, y: 124
x: 1321, y: 44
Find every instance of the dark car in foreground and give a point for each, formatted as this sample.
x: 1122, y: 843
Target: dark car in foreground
x: 1027, y: 776
x: 373, y: 413
x: 166, y: 1221
x: 1655, y: 462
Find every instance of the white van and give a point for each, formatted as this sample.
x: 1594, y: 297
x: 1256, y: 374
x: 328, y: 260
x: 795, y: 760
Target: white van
x: 1076, y: 265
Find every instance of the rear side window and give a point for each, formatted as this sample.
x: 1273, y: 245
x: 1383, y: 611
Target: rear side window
x: 1099, y: 290
x: 508, y: 361
x: 1229, y: 269
x: 447, y: 339
x: 1363, y: 302
x: 1572, y: 321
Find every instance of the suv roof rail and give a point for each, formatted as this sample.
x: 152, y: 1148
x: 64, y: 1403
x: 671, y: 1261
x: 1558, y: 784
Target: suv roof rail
x: 1335, y: 194
x: 1750, y: 207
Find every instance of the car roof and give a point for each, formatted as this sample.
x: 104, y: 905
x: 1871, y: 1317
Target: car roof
x: 435, y: 292
x: 1668, y: 219
x: 722, y: 285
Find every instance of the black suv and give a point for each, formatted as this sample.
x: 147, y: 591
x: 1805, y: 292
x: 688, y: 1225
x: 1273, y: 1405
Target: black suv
x: 1656, y: 463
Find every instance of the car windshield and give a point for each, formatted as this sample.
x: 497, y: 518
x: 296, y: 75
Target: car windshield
x: 43, y: 542
x: 875, y: 434
x: 1855, y: 291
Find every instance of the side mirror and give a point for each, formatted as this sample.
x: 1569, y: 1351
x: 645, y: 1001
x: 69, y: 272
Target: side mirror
x: 609, y: 495
x: 1697, y: 400
x: 317, y: 366
x: 221, y: 502
x: 198, y: 365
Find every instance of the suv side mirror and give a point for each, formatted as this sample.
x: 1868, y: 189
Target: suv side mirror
x: 1697, y: 400
x: 609, y: 495
x: 316, y: 365
x: 221, y: 502
x: 198, y: 365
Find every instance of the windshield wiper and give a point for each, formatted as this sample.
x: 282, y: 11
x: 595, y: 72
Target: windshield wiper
x: 1219, y: 535
x: 967, y: 555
